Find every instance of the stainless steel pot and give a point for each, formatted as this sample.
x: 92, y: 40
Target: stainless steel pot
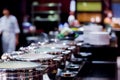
x: 18, y: 70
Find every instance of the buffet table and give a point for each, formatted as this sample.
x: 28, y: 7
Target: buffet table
x: 50, y: 57
x: 59, y: 60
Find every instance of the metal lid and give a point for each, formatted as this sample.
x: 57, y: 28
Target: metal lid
x: 18, y: 65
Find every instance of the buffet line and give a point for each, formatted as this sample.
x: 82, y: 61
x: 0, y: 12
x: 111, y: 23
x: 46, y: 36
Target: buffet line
x: 42, y: 61
x: 53, y: 59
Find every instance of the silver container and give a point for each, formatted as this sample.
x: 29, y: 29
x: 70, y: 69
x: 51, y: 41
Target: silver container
x: 18, y: 70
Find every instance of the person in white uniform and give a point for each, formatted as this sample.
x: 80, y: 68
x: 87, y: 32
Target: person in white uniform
x: 10, y: 31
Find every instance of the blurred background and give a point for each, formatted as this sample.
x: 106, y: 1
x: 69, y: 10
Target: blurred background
x: 27, y: 9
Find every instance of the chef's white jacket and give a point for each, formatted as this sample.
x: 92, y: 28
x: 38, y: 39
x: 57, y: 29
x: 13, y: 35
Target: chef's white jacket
x: 9, y: 28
